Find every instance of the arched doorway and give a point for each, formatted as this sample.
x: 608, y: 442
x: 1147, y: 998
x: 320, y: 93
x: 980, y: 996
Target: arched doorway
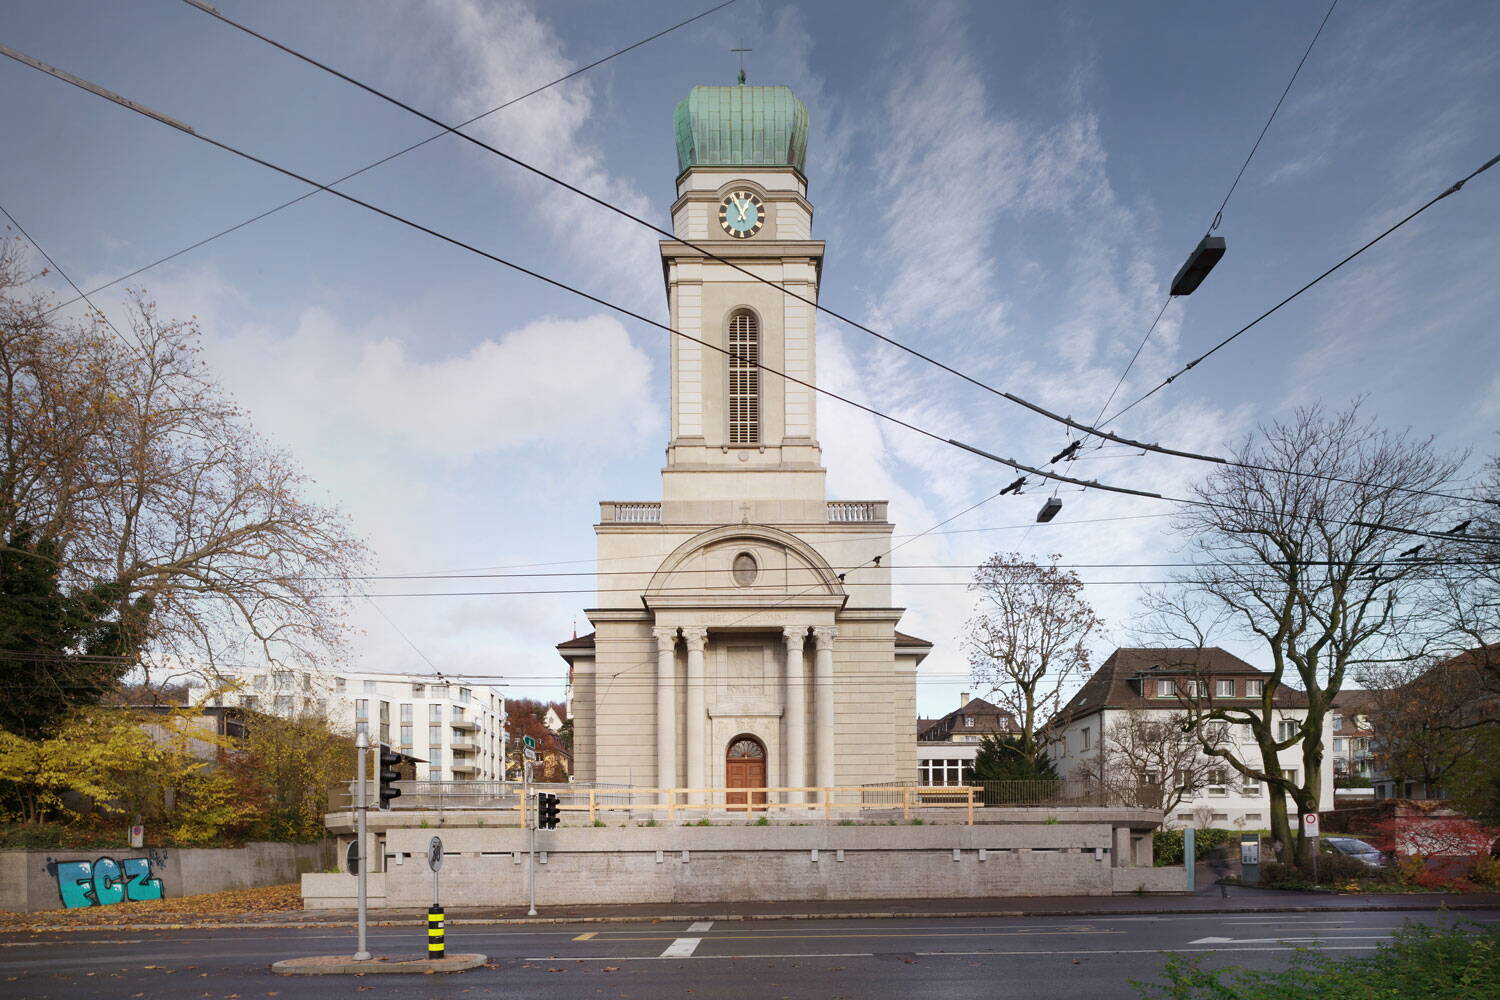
x: 745, y: 767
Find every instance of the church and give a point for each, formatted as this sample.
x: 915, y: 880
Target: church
x: 743, y: 630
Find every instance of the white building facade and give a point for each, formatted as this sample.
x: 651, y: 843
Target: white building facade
x: 455, y: 731
x: 1156, y: 684
x: 747, y: 636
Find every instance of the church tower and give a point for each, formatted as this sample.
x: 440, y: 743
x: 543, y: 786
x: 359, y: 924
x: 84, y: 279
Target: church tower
x: 745, y: 636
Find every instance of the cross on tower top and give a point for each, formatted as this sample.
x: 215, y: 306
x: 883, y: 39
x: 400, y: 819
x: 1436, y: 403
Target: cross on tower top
x: 742, y: 63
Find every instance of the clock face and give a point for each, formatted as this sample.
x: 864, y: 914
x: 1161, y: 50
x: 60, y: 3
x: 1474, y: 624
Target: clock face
x: 741, y: 214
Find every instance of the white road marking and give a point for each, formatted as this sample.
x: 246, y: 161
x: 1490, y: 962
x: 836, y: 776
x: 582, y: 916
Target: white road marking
x: 700, y: 926
x: 797, y: 956
x: 681, y: 948
x: 1268, y: 940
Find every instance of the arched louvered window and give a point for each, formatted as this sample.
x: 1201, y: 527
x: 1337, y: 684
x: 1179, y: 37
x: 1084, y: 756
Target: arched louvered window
x: 744, y: 378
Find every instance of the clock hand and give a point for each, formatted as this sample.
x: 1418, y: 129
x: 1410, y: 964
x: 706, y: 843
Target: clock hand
x: 740, y: 205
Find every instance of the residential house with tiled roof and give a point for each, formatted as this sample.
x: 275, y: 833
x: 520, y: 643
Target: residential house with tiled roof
x: 1158, y: 683
x: 947, y: 746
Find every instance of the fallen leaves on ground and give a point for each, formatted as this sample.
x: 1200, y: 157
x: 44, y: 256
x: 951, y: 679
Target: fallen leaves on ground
x: 228, y: 906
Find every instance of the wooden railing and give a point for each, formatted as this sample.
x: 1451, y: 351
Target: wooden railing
x: 752, y: 801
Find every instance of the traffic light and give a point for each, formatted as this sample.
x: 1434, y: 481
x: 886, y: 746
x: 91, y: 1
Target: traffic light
x: 546, y: 811
x: 387, y: 773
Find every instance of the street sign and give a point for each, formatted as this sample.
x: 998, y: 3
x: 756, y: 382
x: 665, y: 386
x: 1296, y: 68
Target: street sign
x: 351, y: 858
x: 1310, y: 824
x: 529, y: 741
x: 530, y: 754
x: 435, y: 854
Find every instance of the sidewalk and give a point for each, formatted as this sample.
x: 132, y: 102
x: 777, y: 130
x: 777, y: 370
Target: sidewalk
x: 1208, y: 899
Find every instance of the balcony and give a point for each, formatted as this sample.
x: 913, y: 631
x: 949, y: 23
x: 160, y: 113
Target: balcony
x: 464, y: 767
x: 464, y: 746
x: 468, y: 725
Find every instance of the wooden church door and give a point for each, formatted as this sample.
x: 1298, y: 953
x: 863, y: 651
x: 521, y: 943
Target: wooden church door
x: 745, y: 767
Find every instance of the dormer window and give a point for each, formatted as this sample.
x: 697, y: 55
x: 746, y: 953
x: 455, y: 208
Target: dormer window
x: 1165, y: 689
x: 968, y: 722
x: 1224, y: 689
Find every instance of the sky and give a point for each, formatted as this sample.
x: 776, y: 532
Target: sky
x: 1007, y: 187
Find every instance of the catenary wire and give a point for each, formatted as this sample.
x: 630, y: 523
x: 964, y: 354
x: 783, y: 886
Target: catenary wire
x: 813, y: 303
x: 386, y: 159
x: 556, y: 283
x: 1085, y: 484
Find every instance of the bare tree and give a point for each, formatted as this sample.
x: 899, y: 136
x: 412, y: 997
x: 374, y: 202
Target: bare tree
x: 1425, y: 716
x: 1292, y: 553
x: 1155, y: 760
x: 1028, y: 640
x: 132, y: 477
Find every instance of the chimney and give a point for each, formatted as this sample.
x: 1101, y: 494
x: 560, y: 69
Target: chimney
x: 963, y: 699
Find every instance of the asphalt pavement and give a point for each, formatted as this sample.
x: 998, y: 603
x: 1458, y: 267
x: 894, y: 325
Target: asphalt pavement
x: 1035, y: 957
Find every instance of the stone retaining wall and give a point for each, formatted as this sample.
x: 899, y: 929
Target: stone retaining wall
x: 119, y: 876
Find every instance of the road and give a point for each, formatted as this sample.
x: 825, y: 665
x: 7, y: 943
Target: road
x: 1031, y: 957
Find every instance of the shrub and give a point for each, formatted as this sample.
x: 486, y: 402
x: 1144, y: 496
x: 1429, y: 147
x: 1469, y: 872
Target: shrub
x: 1339, y: 868
x: 1167, y: 844
x: 1486, y: 870
x: 1430, y: 963
x: 1410, y: 867
x: 1280, y: 876
x: 763, y: 821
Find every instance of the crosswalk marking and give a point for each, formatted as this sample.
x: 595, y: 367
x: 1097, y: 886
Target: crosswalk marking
x: 682, y: 948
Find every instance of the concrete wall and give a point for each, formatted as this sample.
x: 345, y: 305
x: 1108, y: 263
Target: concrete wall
x: 51, y: 880
x: 487, y: 866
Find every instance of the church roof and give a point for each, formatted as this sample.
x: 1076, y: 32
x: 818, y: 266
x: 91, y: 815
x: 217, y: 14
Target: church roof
x: 578, y: 642
x: 741, y: 127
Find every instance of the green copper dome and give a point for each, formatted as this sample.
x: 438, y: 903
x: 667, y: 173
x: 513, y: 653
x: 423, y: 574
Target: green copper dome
x: 741, y: 127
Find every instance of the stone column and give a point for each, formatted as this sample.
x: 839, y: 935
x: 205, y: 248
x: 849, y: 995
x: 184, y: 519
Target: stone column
x: 666, y: 708
x: 795, y: 710
x: 697, y: 713
x: 823, y: 702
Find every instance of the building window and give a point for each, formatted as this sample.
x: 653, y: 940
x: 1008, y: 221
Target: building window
x: 458, y: 713
x: 744, y: 570
x: 434, y: 736
x: 283, y: 704
x: 1286, y: 729
x: 1184, y: 817
x: 1219, y: 818
x: 1217, y: 732
x: 1249, y: 786
x: 744, y: 378
x: 405, y: 713
x: 464, y: 694
x: 434, y: 713
x: 249, y: 702
x: 1338, y: 722
x: 1085, y: 737
x: 406, y: 734
x: 1254, y: 688
x: 1224, y: 689
x: 968, y: 722
x: 385, y: 712
x: 1150, y: 778
x: 362, y: 710
x: 940, y: 772
x: 1339, y: 744
x: 1217, y: 783
x: 1193, y: 688
x: 338, y: 685
x: 1165, y: 689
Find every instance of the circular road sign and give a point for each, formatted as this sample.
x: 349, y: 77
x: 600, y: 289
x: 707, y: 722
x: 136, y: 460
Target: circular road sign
x: 435, y: 854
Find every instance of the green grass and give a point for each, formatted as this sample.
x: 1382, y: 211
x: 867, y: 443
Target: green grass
x: 1420, y: 963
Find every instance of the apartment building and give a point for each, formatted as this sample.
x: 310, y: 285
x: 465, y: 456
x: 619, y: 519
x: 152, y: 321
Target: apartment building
x: 1156, y: 684
x: 456, y: 732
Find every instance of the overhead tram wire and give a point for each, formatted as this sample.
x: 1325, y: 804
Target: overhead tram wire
x: 556, y: 283
x: 605, y: 203
x: 1219, y: 215
x: 1454, y: 188
x: 386, y: 159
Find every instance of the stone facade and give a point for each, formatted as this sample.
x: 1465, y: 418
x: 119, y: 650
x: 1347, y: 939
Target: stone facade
x: 744, y: 604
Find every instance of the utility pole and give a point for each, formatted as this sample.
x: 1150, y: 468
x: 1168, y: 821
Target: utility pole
x: 531, y: 854
x: 362, y: 808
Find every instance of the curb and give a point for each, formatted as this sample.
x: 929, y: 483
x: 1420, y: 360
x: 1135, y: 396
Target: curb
x: 728, y: 917
x: 343, y: 965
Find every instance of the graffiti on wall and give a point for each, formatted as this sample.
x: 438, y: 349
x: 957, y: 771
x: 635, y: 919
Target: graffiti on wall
x: 106, y: 881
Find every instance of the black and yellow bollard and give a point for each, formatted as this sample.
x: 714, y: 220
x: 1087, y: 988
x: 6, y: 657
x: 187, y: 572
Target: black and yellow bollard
x: 434, y: 932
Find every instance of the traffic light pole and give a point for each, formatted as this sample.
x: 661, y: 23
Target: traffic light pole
x: 531, y: 854
x: 361, y: 810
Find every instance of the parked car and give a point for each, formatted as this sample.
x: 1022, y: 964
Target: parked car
x: 1351, y: 847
